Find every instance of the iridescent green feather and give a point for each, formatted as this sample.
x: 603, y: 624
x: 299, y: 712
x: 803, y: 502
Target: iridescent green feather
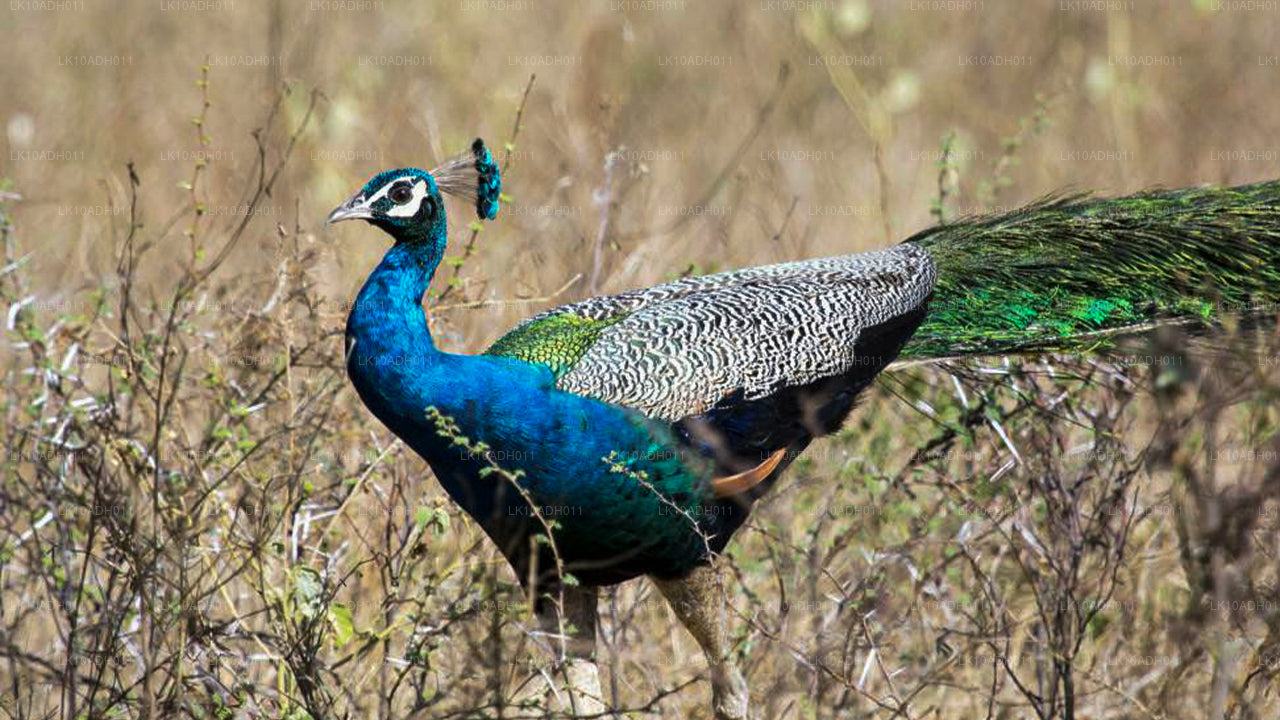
x: 1074, y: 273
x: 557, y: 341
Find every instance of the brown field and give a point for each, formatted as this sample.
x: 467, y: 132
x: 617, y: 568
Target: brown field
x: 199, y: 519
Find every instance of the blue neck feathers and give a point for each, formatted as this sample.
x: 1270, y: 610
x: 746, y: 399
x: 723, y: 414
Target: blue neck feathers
x: 399, y: 373
x: 561, y: 444
x: 388, y: 310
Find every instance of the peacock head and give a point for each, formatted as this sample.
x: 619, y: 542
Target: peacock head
x: 407, y: 204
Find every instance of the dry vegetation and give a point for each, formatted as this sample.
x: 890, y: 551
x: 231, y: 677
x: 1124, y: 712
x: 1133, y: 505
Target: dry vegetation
x: 198, y: 519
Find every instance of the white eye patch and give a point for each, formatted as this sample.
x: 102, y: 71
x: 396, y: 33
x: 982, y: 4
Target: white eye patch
x: 410, y: 208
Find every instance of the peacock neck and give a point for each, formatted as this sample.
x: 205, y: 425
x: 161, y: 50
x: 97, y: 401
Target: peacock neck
x: 399, y: 374
x: 388, y: 311
x: 397, y: 368
x: 557, y: 442
x: 390, y: 354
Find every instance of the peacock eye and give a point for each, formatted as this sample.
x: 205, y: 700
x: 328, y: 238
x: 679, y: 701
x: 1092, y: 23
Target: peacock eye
x: 400, y: 194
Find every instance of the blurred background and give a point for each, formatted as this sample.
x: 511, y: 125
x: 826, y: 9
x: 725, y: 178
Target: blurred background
x: 1105, y: 96
x: 989, y: 539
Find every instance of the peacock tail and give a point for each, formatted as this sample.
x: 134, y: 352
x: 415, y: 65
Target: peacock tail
x: 1076, y: 273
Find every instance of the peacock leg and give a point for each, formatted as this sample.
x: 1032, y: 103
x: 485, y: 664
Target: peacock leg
x: 697, y: 601
x: 576, y: 672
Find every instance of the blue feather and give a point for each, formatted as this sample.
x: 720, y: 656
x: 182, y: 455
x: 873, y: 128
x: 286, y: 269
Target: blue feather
x: 611, y: 526
x: 489, y: 187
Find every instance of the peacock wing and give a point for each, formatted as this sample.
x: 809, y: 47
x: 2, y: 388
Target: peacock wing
x: 684, y: 348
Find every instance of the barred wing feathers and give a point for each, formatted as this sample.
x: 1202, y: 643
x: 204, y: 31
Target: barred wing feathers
x: 677, y: 350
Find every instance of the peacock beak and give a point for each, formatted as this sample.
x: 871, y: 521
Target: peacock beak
x: 354, y: 209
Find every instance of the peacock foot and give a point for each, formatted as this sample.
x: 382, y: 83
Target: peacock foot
x: 729, y: 697
x: 571, y: 689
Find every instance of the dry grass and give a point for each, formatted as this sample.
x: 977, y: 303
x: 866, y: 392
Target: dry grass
x: 197, y: 517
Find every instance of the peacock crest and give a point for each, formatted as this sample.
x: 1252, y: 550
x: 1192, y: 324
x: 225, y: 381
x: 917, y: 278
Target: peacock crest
x: 473, y: 176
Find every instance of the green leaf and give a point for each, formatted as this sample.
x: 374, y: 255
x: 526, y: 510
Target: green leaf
x: 343, y: 628
x: 308, y: 589
x: 1098, y: 625
x: 435, y: 517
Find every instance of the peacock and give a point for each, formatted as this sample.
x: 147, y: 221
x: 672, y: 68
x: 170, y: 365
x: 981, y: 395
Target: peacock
x: 645, y: 424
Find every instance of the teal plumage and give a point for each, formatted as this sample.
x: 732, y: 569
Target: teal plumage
x: 1076, y: 273
x: 626, y: 411
x: 623, y: 495
x: 489, y: 181
x: 638, y: 428
x: 473, y: 176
